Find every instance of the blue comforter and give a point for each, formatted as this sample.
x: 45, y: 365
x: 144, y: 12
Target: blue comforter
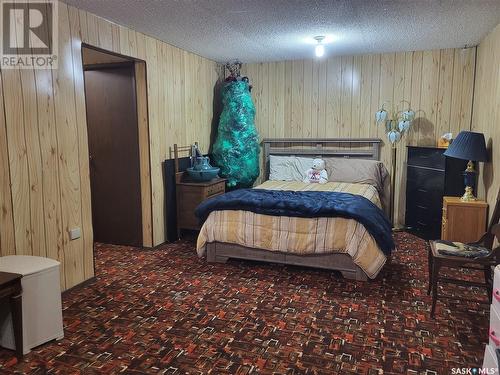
x: 305, y: 204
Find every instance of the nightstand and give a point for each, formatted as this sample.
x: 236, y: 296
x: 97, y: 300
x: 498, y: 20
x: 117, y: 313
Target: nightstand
x: 463, y: 221
x: 190, y: 194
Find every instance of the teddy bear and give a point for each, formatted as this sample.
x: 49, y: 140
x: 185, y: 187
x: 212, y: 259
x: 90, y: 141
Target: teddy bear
x: 317, y: 174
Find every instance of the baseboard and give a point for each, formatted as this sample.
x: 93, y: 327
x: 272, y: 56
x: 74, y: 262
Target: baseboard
x: 80, y: 285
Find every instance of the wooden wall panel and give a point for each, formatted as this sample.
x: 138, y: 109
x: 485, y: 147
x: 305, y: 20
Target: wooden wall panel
x: 486, y: 112
x: 400, y: 183
x: 81, y: 124
x: 69, y: 157
x: 18, y: 161
x: 44, y: 171
x: 154, y: 131
x: 34, y: 162
x: 145, y: 161
x: 338, y: 97
x: 7, y: 239
x: 50, y: 166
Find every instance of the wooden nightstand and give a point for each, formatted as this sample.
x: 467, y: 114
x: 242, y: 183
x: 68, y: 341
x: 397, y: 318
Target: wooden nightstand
x: 463, y: 221
x: 190, y: 194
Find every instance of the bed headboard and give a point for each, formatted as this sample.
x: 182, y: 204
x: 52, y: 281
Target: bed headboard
x: 361, y: 148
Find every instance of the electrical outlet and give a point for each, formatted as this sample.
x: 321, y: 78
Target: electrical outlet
x: 75, y: 233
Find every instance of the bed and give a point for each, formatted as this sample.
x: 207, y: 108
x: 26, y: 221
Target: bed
x: 336, y: 243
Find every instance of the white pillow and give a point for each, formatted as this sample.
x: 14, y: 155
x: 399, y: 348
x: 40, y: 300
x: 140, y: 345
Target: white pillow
x: 288, y: 168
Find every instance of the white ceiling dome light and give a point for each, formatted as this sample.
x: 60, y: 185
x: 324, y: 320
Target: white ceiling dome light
x: 320, y: 48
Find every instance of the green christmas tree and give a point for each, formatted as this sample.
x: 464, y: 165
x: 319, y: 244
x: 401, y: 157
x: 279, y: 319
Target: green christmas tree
x: 236, y: 149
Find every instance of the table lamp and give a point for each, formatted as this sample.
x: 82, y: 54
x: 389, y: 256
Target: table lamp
x: 472, y: 147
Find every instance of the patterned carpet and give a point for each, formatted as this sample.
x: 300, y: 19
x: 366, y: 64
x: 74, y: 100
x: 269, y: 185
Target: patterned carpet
x: 166, y: 311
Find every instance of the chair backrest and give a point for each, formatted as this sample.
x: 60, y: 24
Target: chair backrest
x: 495, y: 219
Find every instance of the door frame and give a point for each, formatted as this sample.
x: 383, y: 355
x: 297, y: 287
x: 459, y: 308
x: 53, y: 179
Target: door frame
x: 141, y: 94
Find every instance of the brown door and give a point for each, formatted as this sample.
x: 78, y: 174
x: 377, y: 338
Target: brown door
x: 114, y: 155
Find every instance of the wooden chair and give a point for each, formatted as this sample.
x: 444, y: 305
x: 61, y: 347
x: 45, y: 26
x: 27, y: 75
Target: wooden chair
x: 484, y: 263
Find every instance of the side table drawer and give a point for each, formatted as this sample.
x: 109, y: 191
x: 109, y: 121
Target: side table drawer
x: 217, y: 188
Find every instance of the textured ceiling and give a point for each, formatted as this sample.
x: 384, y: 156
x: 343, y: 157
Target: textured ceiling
x: 271, y: 30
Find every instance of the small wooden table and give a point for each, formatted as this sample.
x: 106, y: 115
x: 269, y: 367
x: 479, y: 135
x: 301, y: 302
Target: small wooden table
x: 190, y: 194
x: 10, y: 287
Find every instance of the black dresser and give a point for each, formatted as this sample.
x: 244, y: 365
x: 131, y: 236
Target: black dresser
x: 430, y: 175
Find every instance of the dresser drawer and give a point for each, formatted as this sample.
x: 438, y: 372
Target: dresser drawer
x: 423, y: 195
x: 426, y: 224
x: 426, y: 157
x: 425, y: 229
x: 425, y: 184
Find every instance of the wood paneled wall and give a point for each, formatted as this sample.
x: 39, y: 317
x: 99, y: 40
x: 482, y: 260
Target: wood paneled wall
x: 44, y: 171
x: 486, y: 112
x: 338, y: 97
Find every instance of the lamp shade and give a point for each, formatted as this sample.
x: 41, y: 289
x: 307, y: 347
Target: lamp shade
x: 468, y: 146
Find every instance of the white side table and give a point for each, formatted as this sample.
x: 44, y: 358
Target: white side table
x: 41, y: 302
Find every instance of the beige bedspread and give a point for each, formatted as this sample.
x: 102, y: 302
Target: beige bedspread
x: 302, y: 236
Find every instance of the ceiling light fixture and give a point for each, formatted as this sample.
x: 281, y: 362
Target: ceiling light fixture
x: 320, y: 48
